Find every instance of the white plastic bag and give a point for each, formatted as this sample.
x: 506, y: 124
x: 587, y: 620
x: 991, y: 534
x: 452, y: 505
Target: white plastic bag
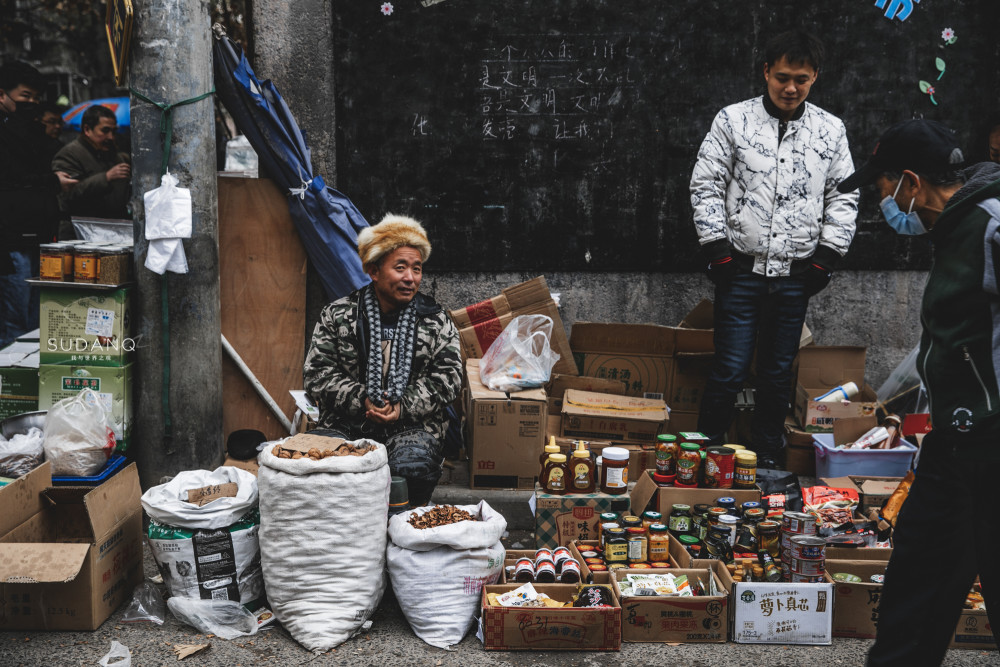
x: 223, y: 618
x: 22, y: 453
x: 168, y: 220
x: 322, y: 541
x: 119, y: 653
x: 212, y: 550
x: 438, y: 574
x: 903, y: 392
x: 78, y: 435
x: 147, y: 605
x: 520, y: 357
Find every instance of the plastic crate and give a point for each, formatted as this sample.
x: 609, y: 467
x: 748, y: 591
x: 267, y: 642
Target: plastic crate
x: 114, y: 464
x: 833, y: 462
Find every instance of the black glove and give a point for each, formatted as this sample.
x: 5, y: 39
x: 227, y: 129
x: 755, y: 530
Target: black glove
x: 721, y: 262
x: 819, y: 270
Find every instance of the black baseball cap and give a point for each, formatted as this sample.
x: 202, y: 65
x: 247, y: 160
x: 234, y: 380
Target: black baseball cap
x: 921, y: 146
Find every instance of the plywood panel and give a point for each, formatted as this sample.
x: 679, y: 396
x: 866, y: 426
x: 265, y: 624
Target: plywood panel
x: 262, y: 268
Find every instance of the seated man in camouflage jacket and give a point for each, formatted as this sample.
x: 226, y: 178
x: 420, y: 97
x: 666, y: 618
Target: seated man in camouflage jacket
x: 384, y: 361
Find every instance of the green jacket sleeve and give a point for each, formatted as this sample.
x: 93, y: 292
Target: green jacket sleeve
x: 330, y: 374
x: 439, y: 382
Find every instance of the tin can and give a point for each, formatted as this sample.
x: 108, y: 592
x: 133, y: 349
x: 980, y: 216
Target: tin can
x: 719, y: 466
x: 799, y: 523
x: 807, y: 547
x: 588, y: 554
x: 524, y: 570
x: 811, y: 568
x: 659, y: 564
x: 806, y: 579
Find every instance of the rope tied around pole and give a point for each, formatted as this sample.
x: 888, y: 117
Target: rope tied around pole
x: 166, y: 136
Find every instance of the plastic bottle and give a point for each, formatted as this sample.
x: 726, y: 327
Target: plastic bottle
x: 581, y: 469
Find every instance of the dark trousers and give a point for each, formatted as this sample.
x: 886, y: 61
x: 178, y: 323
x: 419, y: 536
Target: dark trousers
x: 763, y: 314
x: 414, y: 454
x: 946, y: 534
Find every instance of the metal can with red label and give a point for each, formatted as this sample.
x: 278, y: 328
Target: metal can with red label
x: 720, y: 463
x: 811, y: 568
x: 806, y: 579
x: 807, y: 547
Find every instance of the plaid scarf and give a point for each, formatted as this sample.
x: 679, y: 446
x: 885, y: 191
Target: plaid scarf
x: 401, y: 351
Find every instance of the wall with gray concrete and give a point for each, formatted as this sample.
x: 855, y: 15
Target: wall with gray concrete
x: 880, y: 310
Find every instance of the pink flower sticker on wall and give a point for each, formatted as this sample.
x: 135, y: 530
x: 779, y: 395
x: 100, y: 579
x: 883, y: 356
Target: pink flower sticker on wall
x: 386, y: 8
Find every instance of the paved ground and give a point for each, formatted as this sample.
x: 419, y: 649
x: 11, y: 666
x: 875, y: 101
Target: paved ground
x: 390, y: 641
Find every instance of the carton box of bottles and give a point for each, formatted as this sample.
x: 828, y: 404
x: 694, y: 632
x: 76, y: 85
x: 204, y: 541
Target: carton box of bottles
x: 696, y: 619
x: 86, y: 327
x: 559, y: 520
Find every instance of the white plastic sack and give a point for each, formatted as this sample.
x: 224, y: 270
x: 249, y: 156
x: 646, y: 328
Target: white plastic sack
x: 223, y: 618
x: 322, y: 538
x: 520, y: 357
x: 167, y: 503
x: 78, y: 435
x: 168, y: 220
x: 438, y: 574
x: 22, y: 453
x: 117, y: 656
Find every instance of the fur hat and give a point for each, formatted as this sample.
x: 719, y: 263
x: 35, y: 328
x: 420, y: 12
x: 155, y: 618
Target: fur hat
x: 393, y: 231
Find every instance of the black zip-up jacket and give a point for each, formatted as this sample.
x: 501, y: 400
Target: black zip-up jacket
x: 28, y: 188
x: 959, y: 358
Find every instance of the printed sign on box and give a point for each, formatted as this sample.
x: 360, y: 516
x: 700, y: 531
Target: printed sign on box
x: 781, y: 613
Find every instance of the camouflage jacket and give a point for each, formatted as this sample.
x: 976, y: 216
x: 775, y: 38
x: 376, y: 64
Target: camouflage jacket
x: 334, y: 371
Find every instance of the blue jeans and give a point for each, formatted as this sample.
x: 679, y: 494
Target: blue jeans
x: 18, y: 299
x: 751, y: 309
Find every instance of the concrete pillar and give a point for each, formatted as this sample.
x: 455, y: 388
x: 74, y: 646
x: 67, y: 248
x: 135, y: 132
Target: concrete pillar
x: 171, y: 61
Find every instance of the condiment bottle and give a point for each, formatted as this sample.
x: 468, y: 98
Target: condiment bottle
x: 614, y: 471
x: 688, y: 464
x: 50, y: 262
x: 649, y: 518
x: 638, y: 545
x: 680, y: 519
x: 615, y: 546
x: 551, y: 448
x: 659, y: 543
x: 746, y: 470
x: 555, y: 474
x: 582, y: 472
x: 666, y: 453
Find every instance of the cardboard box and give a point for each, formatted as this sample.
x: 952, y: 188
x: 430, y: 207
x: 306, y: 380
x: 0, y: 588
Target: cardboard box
x: 973, y: 631
x: 638, y: 356
x: 506, y: 434
x: 547, y: 629
x: 687, y: 384
x: 800, y: 455
x: 647, y: 495
x: 557, y: 386
x: 782, y: 613
x: 113, y: 385
x: 820, y: 369
x: 849, y: 553
x: 855, y: 611
x: 559, y: 520
x: 249, y: 466
x: 874, y: 491
x: 701, y: 619
x: 588, y: 415
x: 481, y: 323
x: 86, y: 327
x: 18, y: 379
x: 79, y: 547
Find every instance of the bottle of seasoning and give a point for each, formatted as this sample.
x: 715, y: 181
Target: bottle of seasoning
x: 768, y: 537
x: 582, y: 472
x: 717, y: 545
x: 554, y: 475
x: 605, y: 527
x: 66, y: 250
x: 524, y: 570
x: 771, y: 571
x: 690, y: 543
x: 85, y: 265
x: 666, y: 453
x: 570, y: 572
x: 638, y: 545
x: 688, y: 465
x: 659, y: 543
x: 551, y: 448
x: 615, y: 546
x: 745, y: 476
x: 713, y: 515
x: 728, y: 521
x: 649, y: 518
x: 545, y: 571
x: 50, y: 262
x: 680, y: 519
x: 631, y: 521
x: 747, y: 506
x: 729, y: 503
x: 614, y: 472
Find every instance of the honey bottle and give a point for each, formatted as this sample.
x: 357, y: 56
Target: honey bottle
x: 582, y: 478
x: 551, y: 448
x: 555, y: 475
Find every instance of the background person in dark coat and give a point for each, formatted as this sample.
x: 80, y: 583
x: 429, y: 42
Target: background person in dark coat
x: 28, y: 188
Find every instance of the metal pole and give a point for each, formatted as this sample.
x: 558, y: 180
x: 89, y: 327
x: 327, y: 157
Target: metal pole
x: 257, y: 386
x: 171, y: 63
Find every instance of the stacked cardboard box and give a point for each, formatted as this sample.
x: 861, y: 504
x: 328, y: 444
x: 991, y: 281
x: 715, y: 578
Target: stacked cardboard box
x: 18, y: 378
x: 820, y: 369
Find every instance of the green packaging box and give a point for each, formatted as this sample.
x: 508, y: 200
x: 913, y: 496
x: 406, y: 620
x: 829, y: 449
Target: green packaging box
x: 86, y: 327
x: 18, y: 379
x: 114, y: 385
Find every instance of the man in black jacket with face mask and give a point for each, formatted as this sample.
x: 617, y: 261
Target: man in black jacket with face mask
x: 29, y: 213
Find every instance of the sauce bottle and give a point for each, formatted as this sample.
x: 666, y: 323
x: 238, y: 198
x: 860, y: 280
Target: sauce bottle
x: 554, y: 475
x: 582, y: 472
x: 551, y: 448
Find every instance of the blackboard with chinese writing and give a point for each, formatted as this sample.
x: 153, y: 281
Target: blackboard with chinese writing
x: 561, y: 135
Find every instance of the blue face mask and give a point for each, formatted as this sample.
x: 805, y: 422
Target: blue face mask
x: 908, y: 223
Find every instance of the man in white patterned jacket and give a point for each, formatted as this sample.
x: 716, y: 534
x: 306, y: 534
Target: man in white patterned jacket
x: 773, y: 226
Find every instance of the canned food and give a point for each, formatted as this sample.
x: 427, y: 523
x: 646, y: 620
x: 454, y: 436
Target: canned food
x: 799, y: 523
x: 719, y: 466
x: 570, y: 572
x: 588, y: 554
x: 806, y: 579
x: 807, y: 547
x: 810, y: 568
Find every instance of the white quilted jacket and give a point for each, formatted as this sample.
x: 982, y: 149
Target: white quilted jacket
x: 774, y: 202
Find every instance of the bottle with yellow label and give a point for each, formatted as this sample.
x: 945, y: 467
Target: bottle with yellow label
x: 554, y: 475
x: 582, y: 472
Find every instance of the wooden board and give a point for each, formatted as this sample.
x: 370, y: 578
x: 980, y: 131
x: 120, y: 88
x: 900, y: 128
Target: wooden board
x: 262, y: 268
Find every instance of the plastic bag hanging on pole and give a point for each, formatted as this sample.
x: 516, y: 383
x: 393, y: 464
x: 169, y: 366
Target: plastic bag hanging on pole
x: 521, y: 357
x: 168, y: 220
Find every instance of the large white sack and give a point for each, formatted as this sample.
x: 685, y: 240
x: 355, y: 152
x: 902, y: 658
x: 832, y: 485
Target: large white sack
x: 438, y: 573
x: 167, y: 503
x: 322, y: 542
